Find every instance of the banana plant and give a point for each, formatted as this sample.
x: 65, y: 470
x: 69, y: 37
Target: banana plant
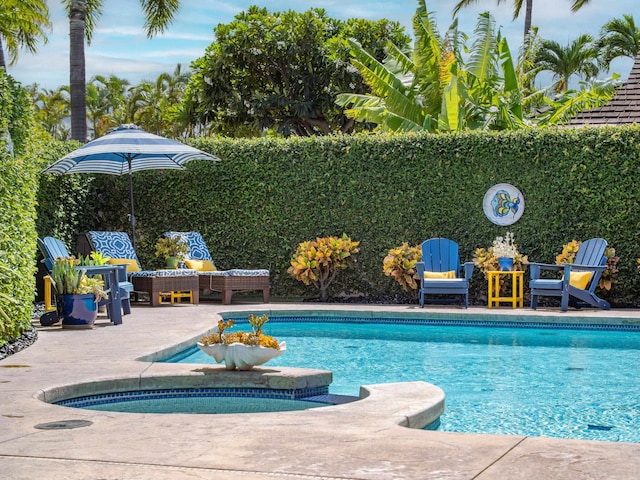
x: 431, y: 88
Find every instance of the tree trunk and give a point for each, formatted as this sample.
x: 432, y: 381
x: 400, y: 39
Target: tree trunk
x: 527, y: 18
x: 3, y: 64
x: 77, y: 16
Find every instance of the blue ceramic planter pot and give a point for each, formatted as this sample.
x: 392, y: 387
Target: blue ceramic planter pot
x: 506, y: 264
x: 77, y: 311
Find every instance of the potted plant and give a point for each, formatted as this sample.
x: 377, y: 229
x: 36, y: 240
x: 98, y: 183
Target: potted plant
x: 241, y: 350
x: 172, y: 249
x: 77, y: 295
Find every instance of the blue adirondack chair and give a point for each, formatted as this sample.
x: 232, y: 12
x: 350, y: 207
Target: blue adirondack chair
x: 53, y: 248
x: 590, y: 258
x: 440, y: 260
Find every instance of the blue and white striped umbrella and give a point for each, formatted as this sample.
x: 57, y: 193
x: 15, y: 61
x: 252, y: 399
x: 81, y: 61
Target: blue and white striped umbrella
x: 125, y: 150
x: 128, y: 149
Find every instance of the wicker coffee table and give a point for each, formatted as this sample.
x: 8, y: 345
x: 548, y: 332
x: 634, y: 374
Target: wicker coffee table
x: 153, y: 285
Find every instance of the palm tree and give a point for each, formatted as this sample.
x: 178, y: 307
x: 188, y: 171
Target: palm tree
x: 619, y: 37
x: 577, y: 58
x: 156, y: 101
x: 106, y: 103
x: 51, y: 107
x: 83, y: 15
x: 578, y: 4
x: 517, y: 7
x: 22, y: 24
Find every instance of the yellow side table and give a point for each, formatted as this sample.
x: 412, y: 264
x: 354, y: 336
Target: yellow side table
x: 517, y: 288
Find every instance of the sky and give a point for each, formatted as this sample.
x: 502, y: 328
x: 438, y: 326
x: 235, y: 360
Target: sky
x: 120, y: 46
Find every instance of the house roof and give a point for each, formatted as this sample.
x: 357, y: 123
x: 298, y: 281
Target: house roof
x: 622, y: 109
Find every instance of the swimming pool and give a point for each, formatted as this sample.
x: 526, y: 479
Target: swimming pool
x: 543, y: 380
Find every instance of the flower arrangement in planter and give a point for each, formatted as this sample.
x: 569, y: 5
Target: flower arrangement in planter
x: 487, y: 260
x: 241, y: 350
x: 608, y: 277
x: 172, y: 249
x: 400, y: 264
x: 317, y: 262
x: 505, y: 250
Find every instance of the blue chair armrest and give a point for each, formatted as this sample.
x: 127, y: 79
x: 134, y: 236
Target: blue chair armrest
x: 122, y: 272
x: 536, y: 268
x: 468, y: 269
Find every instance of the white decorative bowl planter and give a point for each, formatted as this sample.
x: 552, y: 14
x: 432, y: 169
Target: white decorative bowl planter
x: 241, y: 356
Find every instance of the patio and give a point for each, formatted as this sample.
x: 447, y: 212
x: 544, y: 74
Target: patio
x: 354, y: 441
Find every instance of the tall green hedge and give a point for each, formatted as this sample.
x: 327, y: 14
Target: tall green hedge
x: 267, y: 195
x: 18, y: 186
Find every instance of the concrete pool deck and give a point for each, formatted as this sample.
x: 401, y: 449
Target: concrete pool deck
x: 324, y: 443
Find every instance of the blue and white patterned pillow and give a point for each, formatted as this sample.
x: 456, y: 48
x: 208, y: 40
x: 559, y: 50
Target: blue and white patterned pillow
x: 114, y: 245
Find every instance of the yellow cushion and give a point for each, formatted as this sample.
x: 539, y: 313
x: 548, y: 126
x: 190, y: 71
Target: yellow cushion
x: 432, y: 275
x: 201, y: 265
x: 579, y: 279
x: 132, y: 265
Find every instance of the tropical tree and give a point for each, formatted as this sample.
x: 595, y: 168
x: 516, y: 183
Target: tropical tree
x: 51, y: 108
x: 577, y: 58
x: 433, y: 88
x: 106, y: 103
x: 281, y: 71
x: 153, y: 104
x: 436, y: 88
x: 517, y: 8
x: 22, y: 25
x: 83, y: 16
x: 565, y: 105
x: 619, y: 37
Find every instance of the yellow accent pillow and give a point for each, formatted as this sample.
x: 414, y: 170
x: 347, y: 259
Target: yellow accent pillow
x: 132, y: 265
x: 580, y: 279
x: 433, y: 275
x: 201, y: 265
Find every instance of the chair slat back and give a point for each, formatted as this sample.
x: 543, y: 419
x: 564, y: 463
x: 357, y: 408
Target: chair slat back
x: 440, y: 255
x: 591, y: 252
x: 51, y: 249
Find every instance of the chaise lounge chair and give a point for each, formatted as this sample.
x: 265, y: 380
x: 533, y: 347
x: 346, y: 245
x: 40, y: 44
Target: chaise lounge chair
x: 440, y: 270
x: 579, y: 279
x: 118, y: 247
x: 224, y: 281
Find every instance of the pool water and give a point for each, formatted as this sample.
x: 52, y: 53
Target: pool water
x: 186, y: 402
x: 524, y: 381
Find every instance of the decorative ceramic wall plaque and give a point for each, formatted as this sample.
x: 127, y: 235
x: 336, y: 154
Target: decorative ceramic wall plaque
x: 503, y: 204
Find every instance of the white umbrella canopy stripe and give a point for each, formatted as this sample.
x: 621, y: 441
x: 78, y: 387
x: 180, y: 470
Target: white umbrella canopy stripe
x: 125, y: 150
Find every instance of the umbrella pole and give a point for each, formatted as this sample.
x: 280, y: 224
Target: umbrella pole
x: 133, y: 217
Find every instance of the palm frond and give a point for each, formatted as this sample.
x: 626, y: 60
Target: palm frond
x: 482, y: 58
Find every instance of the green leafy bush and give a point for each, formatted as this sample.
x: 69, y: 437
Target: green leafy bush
x: 268, y: 193
x: 317, y: 262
